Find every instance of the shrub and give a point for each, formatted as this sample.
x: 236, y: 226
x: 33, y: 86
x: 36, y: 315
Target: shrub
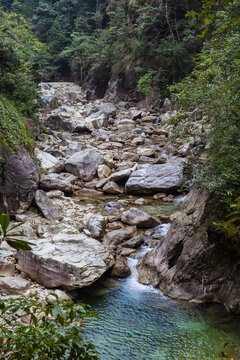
x: 50, y: 329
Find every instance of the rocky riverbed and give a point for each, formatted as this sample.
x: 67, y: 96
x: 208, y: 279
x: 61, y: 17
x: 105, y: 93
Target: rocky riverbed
x: 89, y: 196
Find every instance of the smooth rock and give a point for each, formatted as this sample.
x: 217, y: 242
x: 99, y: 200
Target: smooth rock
x: 145, y: 151
x: 55, y: 194
x: 116, y: 237
x: 84, y: 164
x: 139, y: 218
x: 141, y: 202
x: 121, y: 175
x: 134, y: 242
x: 112, y: 207
x: 126, y: 252
x: 130, y: 156
x: 112, y: 188
x: 121, y: 268
x: 125, y: 124
x: 88, y: 192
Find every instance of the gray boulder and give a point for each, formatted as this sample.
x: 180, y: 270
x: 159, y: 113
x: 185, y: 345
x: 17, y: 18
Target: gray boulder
x: 18, y: 183
x: 14, y: 285
x: 47, y: 161
x: 75, y: 146
x: 134, y: 242
x: 96, y: 120
x: 46, y: 207
x: 121, y: 268
x: 112, y: 188
x: 69, y: 261
x: 121, y: 175
x: 116, y: 237
x: 57, y: 122
x: 63, y: 182
x: 125, y: 124
x: 84, y: 164
x: 139, y: 218
x: 148, y: 179
x: 108, y: 108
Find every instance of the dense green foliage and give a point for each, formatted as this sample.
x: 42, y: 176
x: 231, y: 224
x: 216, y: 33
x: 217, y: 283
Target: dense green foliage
x: 34, y: 329
x: 20, y: 54
x: 13, y: 131
x: 232, y: 224
x: 214, y: 88
x: 117, y: 36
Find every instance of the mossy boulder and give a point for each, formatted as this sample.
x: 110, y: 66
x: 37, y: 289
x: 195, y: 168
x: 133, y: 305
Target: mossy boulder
x: 18, y: 174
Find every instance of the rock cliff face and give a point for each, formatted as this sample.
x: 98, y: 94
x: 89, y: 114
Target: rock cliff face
x: 189, y: 264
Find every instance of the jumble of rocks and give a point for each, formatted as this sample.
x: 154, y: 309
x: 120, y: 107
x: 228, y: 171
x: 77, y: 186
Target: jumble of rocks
x: 96, y: 150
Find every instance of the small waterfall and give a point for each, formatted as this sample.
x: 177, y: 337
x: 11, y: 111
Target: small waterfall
x: 132, y: 281
x: 180, y: 200
x: 157, y: 121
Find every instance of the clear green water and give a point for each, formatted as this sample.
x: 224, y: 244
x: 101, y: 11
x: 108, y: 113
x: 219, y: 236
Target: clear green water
x: 136, y: 322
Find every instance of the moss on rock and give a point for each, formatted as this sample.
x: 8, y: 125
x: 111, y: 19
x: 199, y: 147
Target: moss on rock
x: 13, y: 132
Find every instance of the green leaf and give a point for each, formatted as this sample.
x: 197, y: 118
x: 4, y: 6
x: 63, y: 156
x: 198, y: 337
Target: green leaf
x: 20, y: 244
x: 15, y: 226
x: 56, y: 311
x: 4, y: 222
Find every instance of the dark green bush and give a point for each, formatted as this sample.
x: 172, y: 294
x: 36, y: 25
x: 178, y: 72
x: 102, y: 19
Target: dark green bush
x: 32, y: 329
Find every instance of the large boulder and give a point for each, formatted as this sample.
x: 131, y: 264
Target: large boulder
x: 64, y: 260
x: 149, y: 179
x: 18, y: 183
x: 84, y: 164
x: 139, y: 218
x: 190, y: 263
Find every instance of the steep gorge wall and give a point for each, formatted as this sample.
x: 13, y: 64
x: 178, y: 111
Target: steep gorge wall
x: 191, y: 264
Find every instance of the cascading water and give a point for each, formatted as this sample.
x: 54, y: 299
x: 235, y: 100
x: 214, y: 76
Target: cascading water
x: 137, y: 322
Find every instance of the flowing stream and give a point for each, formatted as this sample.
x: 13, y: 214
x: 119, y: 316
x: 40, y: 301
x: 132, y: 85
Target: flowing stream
x: 137, y: 322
